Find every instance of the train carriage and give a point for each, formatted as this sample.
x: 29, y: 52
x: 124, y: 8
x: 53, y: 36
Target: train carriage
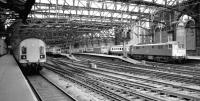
x: 158, y: 52
x: 117, y: 50
x: 54, y: 51
x: 31, y: 54
x: 101, y: 49
x: 89, y: 50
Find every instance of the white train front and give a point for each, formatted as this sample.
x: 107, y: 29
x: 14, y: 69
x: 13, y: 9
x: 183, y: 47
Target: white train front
x: 30, y: 53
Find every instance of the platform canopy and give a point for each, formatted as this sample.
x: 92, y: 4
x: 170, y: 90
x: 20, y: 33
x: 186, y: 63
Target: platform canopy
x: 97, y: 13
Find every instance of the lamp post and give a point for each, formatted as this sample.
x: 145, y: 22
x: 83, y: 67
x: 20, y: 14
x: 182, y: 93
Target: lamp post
x: 160, y: 25
x: 124, y: 43
x: 124, y: 49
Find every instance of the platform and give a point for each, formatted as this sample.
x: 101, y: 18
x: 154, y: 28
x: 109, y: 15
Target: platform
x: 13, y: 85
x: 113, y: 56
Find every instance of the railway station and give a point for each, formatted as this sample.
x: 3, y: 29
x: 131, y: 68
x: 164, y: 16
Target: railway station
x: 99, y: 50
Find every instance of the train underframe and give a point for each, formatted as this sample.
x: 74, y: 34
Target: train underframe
x: 30, y: 68
x: 158, y: 58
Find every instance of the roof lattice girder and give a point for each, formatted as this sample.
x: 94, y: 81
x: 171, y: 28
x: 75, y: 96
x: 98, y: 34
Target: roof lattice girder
x: 128, y: 14
x: 68, y: 7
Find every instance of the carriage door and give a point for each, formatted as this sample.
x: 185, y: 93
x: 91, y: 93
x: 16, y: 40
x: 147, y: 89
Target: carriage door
x: 33, y: 51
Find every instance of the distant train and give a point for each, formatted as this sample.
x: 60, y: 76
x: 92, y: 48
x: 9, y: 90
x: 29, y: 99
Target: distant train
x: 101, y: 49
x: 118, y: 50
x: 3, y: 47
x: 165, y: 52
x: 161, y: 52
x: 54, y: 51
x: 30, y: 53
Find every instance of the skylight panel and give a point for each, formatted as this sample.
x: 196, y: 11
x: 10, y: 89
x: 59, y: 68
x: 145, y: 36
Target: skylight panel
x: 85, y: 12
x: 42, y: 1
x: 81, y: 3
x: 136, y: 9
x: 96, y: 4
x: 95, y: 13
x: 160, y: 2
x: 180, y: 1
x: 134, y: 17
x: 108, y: 14
x: 126, y: 16
x: 72, y: 12
x: 61, y: 2
x: 124, y: 7
x: 118, y: 6
x: 38, y: 16
x: 142, y: 8
x: 103, y: 13
x: 115, y: 14
x: 131, y: 7
x: 148, y: 0
x: 110, y: 6
x: 170, y: 3
x: 68, y: 2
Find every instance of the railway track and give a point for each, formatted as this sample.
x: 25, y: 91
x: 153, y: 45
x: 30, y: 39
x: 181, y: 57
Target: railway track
x: 143, y: 87
x: 127, y: 66
x: 185, y: 68
x: 91, y: 85
x: 174, y: 74
x: 47, y: 90
x: 161, y: 66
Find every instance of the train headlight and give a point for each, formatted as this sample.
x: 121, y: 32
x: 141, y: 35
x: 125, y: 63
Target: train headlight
x: 42, y: 56
x: 23, y: 56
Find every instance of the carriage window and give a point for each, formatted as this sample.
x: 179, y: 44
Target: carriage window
x: 160, y: 47
x: 137, y: 47
x: 23, y: 50
x: 170, y: 46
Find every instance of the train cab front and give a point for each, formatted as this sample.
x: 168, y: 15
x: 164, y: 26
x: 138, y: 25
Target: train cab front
x: 33, y: 60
